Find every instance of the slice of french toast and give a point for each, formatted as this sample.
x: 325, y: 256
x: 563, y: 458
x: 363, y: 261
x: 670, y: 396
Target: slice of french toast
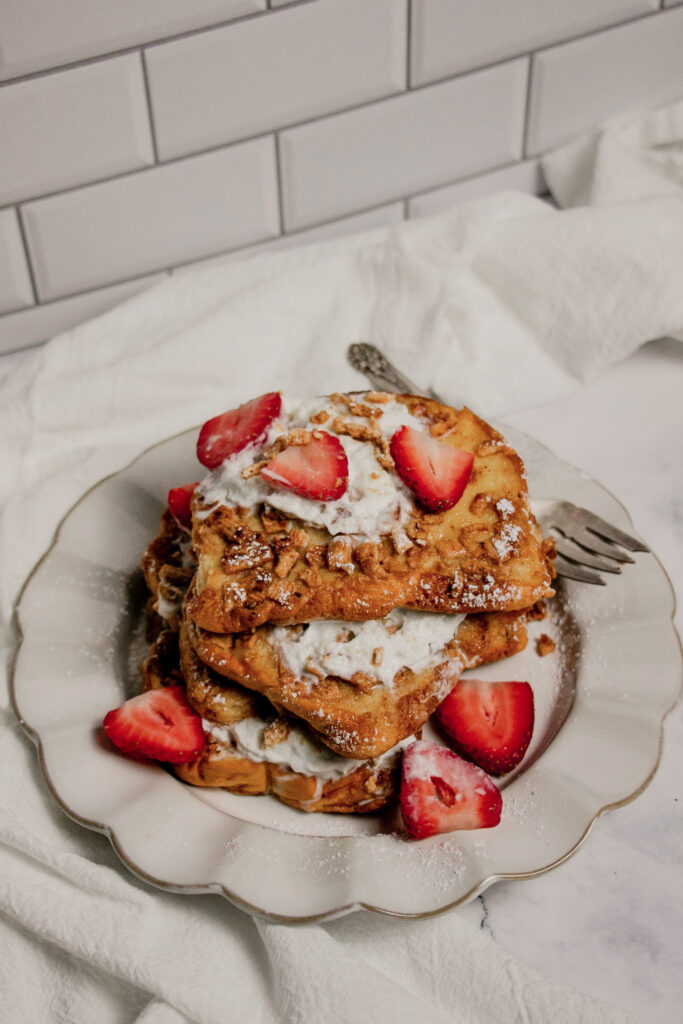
x: 363, y: 715
x: 252, y: 750
x: 268, y: 553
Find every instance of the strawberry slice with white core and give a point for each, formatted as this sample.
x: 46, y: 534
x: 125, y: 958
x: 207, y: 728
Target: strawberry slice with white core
x: 229, y: 433
x: 442, y: 793
x: 318, y: 470
x: 159, y: 724
x: 489, y: 723
x: 435, y: 471
x: 180, y: 503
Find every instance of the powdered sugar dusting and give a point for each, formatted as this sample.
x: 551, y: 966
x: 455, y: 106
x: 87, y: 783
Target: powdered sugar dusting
x: 487, y: 593
x: 506, y: 540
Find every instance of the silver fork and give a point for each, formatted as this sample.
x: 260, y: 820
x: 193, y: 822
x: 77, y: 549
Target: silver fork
x: 585, y: 542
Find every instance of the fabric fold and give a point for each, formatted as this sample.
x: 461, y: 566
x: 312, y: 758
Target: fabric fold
x: 503, y: 303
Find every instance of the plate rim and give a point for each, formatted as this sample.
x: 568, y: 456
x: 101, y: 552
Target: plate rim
x: 219, y: 888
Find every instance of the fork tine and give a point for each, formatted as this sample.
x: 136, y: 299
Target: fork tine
x: 577, y: 572
x: 587, y: 539
x: 574, y: 553
x: 597, y: 525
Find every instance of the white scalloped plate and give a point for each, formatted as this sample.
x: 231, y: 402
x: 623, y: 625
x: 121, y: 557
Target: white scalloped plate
x: 600, y: 701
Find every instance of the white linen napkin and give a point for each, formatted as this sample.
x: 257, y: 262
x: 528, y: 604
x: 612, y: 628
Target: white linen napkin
x: 503, y: 303
x: 636, y: 156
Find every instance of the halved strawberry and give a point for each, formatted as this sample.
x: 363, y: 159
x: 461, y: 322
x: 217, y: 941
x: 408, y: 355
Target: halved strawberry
x: 489, y: 723
x: 229, y: 433
x: 180, y: 503
x: 159, y: 724
x: 317, y: 470
x: 442, y: 793
x: 435, y: 471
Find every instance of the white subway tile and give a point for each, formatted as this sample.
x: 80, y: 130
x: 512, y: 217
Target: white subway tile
x: 369, y: 220
x: 403, y: 145
x: 37, y: 35
x: 40, y: 323
x: 452, y: 36
x: 264, y: 73
x: 15, y: 282
x: 522, y: 177
x: 153, y: 219
x: 73, y: 127
x: 576, y: 86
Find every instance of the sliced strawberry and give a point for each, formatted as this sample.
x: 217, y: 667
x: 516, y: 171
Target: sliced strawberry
x: 229, y: 433
x: 442, y: 793
x: 435, y: 471
x: 159, y: 724
x: 489, y: 723
x: 180, y: 503
x: 317, y: 470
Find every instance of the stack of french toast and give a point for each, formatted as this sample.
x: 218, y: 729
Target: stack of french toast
x: 316, y: 597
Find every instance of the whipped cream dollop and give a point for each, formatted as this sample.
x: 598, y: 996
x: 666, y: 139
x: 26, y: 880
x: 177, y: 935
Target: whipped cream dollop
x: 166, y: 609
x: 375, y: 503
x: 169, y: 600
x: 380, y: 647
x: 300, y: 751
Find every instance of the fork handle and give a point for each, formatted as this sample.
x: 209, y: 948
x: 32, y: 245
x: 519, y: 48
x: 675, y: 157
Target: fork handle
x: 369, y: 361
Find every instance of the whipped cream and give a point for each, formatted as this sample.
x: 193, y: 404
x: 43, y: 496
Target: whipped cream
x: 405, y: 638
x: 187, y: 559
x: 375, y: 503
x: 300, y: 751
x: 167, y: 609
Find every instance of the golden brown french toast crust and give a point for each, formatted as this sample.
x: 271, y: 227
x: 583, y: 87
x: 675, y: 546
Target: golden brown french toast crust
x: 361, y: 791
x: 364, y: 788
x: 355, y: 720
x: 485, y: 554
x: 167, y: 569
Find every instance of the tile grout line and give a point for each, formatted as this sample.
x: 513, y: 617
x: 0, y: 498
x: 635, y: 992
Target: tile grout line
x: 279, y: 183
x: 471, y: 177
x: 169, y: 268
x: 47, y: 303
x: 150, y: 111
x: 532, y: 73
x: 79, y: 62
x: 409, y: 44
x: 403, y: 201
x: 27, y: 254
x: 19, y: 204
x: 153, y: 44
x: 648, y: 15
x: 290, y: 126
x: 527, y: 105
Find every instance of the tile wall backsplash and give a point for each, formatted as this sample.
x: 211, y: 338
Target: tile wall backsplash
x: 187, y: 209
x: 147, y: 136
x: 72, y: 127
x: 15, y: 281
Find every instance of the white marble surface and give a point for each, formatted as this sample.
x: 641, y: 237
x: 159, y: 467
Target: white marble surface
x: 609, y: 922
